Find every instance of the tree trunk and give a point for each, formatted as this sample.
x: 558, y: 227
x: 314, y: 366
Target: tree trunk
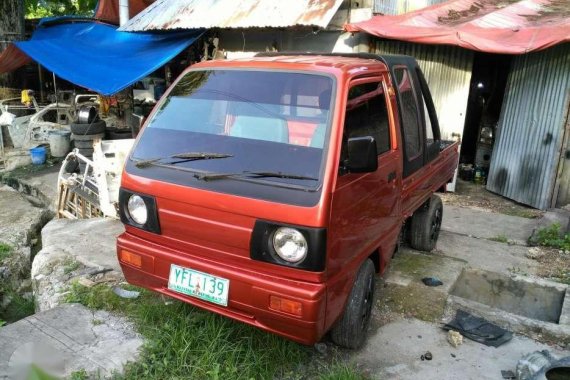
x: 11, y: 29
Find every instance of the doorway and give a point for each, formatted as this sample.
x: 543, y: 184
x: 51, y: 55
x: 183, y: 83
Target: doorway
x: 486, y: 94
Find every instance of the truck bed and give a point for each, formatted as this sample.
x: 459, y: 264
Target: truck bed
x: 418, y: 187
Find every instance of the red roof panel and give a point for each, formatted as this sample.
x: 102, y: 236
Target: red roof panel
x: 108, y: 10
x: 493, y: 26
x: 12, y: 58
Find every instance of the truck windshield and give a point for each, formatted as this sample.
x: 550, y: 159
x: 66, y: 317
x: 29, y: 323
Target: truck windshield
x: 260, y: 121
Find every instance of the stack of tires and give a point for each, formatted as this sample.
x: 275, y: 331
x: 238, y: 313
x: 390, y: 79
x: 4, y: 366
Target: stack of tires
x: 87, y: 128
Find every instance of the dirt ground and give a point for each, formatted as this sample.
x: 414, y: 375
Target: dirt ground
x: 469, y: 194
x: 554, y: 263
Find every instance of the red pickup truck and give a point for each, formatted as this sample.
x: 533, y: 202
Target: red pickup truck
x: 272, y: 190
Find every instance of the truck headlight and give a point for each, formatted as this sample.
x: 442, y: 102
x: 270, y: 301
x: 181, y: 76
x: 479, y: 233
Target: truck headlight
x: 290, y: 244
x: 137, y: 209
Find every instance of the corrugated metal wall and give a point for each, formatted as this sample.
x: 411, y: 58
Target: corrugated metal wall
x: 530, y: 131
x: 448, y: 73
x: 397, y: 7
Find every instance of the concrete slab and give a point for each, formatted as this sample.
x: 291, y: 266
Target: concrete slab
x: 67, y: 339
x: 90, y: 241
x: 45, y: 182
x: 73, y: 249
x: 20, y: 220
x: 20, y: 225
x: 409, y: 267
x: 41, y: 184
x: 487, y: 254
x: 394, y: 351
x: 486, y: 225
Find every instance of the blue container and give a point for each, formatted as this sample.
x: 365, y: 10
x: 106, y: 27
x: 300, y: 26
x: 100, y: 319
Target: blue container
x: 38, y: 155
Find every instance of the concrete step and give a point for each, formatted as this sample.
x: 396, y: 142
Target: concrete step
x: 67, y: 339
x: 486, y: 225
x: 487, y: 254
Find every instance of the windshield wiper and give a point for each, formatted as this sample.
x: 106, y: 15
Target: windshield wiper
x: 248, y: 174
x: 184, y: 157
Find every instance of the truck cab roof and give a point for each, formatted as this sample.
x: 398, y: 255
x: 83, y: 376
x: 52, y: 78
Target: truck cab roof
x: 348, y: 63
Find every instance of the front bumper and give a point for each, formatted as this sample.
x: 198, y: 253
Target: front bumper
x: 249, y: 293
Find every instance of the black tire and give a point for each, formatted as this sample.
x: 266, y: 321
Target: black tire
x: 87, y: 137
x: 426, y: 224
x: 83, y: 144
x: 559, y: 369
x: 87, y: 152
x: 119, y: 134
x: 88, y: 129
x: 350, y: 330
x: 72, y: 165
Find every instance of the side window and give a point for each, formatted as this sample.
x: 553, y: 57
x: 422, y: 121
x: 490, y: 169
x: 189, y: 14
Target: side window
x: 429, y: 127
x: 409, y: 114
x: 366, y: 115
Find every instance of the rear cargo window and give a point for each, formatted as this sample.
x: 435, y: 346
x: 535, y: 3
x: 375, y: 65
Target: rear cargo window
x: 409, y: 113
x: 366, y: 115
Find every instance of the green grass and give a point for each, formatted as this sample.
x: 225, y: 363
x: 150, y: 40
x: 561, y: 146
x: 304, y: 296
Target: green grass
x: 551, y: 237
x: 18, y: 308
x: 70, y: 265
x: 341, y: 371
x: 500, y: 239
x: 185, y: 342
x: 79, y: 375
x: 5, y: 251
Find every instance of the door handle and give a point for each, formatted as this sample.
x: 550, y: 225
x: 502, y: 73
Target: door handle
x: 391, y: 176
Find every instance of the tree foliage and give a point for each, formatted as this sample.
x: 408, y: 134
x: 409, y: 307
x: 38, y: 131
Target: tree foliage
x: 46, y: 8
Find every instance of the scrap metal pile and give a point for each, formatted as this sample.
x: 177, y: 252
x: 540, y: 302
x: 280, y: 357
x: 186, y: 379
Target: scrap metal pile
x: 89, y: 187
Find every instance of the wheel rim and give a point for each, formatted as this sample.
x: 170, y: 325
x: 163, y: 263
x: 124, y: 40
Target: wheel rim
x: 435, y: 225
x: 367, y: 306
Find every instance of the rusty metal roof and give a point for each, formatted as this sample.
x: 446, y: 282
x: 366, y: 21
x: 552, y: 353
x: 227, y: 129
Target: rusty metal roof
x: 493, y: 26
x: 197, y: 14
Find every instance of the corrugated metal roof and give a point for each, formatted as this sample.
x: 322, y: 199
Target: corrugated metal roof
x: 398, y: 7
x: 195, y: 14
x: 12, y: 58
x: 530, y: 132
x: 108, y: 10
x: 448, y: 72
x: 493, y: 26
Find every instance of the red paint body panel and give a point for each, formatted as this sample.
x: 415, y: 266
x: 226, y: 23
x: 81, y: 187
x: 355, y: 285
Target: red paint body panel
x: 211, y: 232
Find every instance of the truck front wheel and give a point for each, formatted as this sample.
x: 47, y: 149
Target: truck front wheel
x: 350, y: 330
x: 426, y: 224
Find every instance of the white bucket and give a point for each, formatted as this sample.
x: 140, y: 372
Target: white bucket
x: 59, y: 143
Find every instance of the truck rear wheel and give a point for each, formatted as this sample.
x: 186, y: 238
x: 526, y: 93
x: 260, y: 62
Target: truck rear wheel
x: 426, y: 224
x: 350, y: 330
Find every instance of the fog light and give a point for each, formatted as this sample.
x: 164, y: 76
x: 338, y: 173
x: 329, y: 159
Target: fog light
x: 285, y: 305
x: 137, y: 209
x: 130, y: 258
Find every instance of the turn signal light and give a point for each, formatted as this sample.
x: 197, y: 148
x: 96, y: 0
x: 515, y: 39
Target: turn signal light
x: 285, y: 305
x: 131, y: 258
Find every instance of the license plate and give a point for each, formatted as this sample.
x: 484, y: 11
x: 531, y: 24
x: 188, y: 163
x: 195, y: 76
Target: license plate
x: 198, y: 284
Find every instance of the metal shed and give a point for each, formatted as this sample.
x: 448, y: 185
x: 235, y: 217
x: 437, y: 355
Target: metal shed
x: 531, y: 151
x: 530, y: 162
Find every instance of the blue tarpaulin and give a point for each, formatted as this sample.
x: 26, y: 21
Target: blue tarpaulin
x: 97, y: 56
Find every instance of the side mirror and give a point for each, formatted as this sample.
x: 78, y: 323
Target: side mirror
x: 362, y: 156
